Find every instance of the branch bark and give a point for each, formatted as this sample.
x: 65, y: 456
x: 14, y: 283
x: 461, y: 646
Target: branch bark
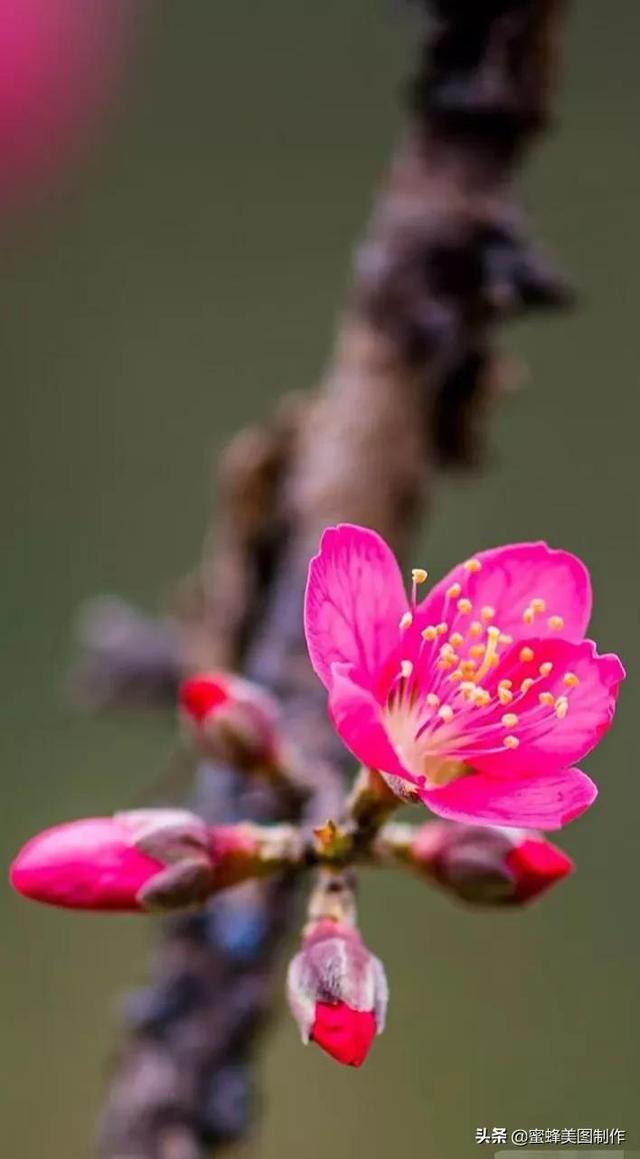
x: 445, y: 258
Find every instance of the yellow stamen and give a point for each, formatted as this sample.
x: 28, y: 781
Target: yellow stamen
x: 562, y: 707
x: 419, y: 575
x: 547, y: 698
x: 430, y: 632
x: 526, y: 655
x: 487, y: 612
x: 482, y: 697
x: 476, y: 629
x: 571, y: 680
x: 468, y: 667
x: 406, y: 668
x: 556, y: 623
x: 490, y: 657
x: 442, y: 628
x: 526, y: 684
x: 464, y: 606
x: 446, y: 712
x: 510, y: 720
x: 406, y: 621
x: 538, y: 604
x: 528, y: 615
x: 472, y: 564
x: 545, y: 668
x: 432, y: 700
x: 477, y: 650
x: 506, y: 684
x: 454, y: 591
x: 505, y: 638
x: 505, y: 696
x: 456, y: 676
x: 511, y: 742
x: 456, y: 639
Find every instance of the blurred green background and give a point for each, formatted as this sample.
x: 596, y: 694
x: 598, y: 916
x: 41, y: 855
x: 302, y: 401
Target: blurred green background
x: 190, y: 273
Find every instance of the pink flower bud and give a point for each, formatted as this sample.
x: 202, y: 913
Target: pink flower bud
x: 220, y: 708
x: 145, y: 859
x: 488, y: 866
x: 337, y: 992
x: 344, y: 1033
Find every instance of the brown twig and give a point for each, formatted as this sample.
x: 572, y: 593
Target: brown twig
x: 446, y: 256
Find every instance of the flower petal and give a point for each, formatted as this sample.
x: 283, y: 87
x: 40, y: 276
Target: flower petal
x: 534, y: 802
x: 358, y: 720
x: 507, y: 580
x: 354, y: 602
x: 545, y: 740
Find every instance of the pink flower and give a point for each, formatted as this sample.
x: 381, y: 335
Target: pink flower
x: 478, y: 699
x: 488, y: 866
x: 337, y: 992
x: 60, y: 61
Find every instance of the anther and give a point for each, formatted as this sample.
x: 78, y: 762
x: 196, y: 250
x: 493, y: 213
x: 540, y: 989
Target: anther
x: 445, y: 712
x: 538, y: 604
x: 442, y: 628
x: 547, y: 698
x: 430, y: 632
x: 528, y: 615
x: 562, y: 707
x: 545, y: 668
x: 526, y: 655
x: 464, y: 606
x: 456, y: 639
x: 477, y: 650
x: 476, y: 629
x: 454, y: 591
x: 556, y: 623
x: 511, y: 742
x: 505, y: 638
x: 526, y: 684
x: 432, y: 700
x: 406, y: 668
x: 487, y: 612
x: 571, y: 680
x: 510, y: 720
x: 505, y: 696
x: 472, y: 564
x: 419, y: 575
x: 406, y: 621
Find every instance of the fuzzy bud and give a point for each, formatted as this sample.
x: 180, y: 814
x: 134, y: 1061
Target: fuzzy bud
x: 226, y: 715
x: 337, y: 992
x: 488, y: 866
x: 155, y: 859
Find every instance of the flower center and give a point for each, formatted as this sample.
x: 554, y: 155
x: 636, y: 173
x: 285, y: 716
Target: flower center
x: 433, y: 711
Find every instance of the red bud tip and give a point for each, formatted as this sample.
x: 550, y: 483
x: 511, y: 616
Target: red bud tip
x: 88, y: 864
x: 536, y: 865
x: 199, y: 695
x: 344, y: 1033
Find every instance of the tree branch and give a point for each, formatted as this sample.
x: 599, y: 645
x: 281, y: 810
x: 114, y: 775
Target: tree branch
x: 412, y: 376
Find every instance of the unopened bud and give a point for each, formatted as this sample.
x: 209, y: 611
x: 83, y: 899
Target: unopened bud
x: 488, y: 866
x: 337, y: 992
x: 143, y: 860
x: 227, y: 714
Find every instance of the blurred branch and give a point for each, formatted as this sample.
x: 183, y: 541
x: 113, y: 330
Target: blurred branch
x: 412, y: 376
